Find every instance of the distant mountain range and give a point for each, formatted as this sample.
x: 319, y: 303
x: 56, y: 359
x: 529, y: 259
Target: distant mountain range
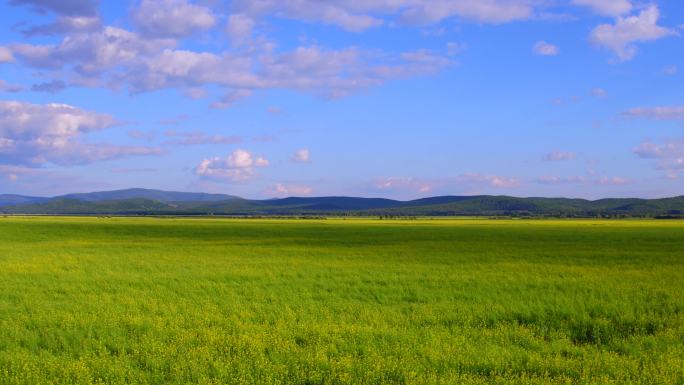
x: 157, y: 202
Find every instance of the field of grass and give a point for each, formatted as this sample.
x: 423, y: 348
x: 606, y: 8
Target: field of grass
x: 176, y: 301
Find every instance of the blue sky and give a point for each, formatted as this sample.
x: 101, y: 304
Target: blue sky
x: 390, y: 98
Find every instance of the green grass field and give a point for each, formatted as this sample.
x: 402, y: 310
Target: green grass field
x: 177, y: 301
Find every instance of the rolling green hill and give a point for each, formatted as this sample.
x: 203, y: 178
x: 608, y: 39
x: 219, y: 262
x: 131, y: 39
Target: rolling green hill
x: 156, y: 202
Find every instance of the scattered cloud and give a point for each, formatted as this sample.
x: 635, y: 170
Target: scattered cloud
x: 606, y: 7
x: 191, y: 138
x: 62, y: 7
x: 555, y: 156
x: 620, y: 38
x: 404, y: 184
x: 669, y: 156
x: 490, y: 180
x: 150, y: 60
x: 33, y: 134
x: 599, y: 93
x: 301, y: 156
x: 239, y: 166
x: 6, y: 55
x: 51, y: 87
x: 282, y: 189
x: 670, y: 70
x: 6, y: 87
x: 464, y: 182
x: 559, y: 180
x: 66, y: 24
x: 660, y: 113
x: 240, y: 28
x: 172, y: 18
x: 550, y: 179
x: 612, y: 181
x: 545, y: 49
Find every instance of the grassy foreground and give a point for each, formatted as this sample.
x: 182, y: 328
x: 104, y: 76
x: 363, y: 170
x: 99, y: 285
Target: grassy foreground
x: 166, y: 301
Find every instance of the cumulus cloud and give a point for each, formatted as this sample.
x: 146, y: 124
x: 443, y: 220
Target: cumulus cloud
x: 114, y: 57
x: 191, y: 138
x: 239, y: 166
x: 545, y: 49
x: 91, y: 54
x: 606, y: 7
x: 286, y: 189
x: 33, y: 134
x: 620, y: 38
x: 239, y: 28
x: 172, y: 18
x: 301, y: 156
x: 660, y: 113
x: 559, y: 156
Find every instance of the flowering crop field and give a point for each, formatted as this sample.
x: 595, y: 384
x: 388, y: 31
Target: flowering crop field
x: 340, y: 301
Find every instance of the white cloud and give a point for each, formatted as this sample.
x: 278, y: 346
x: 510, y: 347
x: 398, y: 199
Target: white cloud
x: 33, y: 134
x: 62, y: 7
x: 612, y: 181
x: 239, y: 166
x: 621, y: 37
x: 669, y: 155
x: 560, y: 155
x: 606, y: 7
x: 599, y: 93
x: 302, y: 156
x: 91, y: 54
x: 6, y: 87
x: 172, y: 18
x: 404, y: 184
x: 485, y: 11
x: 240, y: 28
x: 357, y: 16
x: 6, y: 55
x: 463, y: 182
x: 116, y: 58
x: 192, y: 138
x: 670, y: 70
x: 282, y: 189
x: 491, y: 180
x: 661, y: 113
x: 66, y: 24
x: 551, y: 179
x: 545, y: 49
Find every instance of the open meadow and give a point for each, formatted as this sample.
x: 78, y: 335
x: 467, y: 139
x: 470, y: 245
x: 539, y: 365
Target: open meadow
x: 340, y: 301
